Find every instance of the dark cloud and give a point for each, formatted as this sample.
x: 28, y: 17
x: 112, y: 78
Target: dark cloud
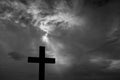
x: 16, y: 56
x: 97, y: 3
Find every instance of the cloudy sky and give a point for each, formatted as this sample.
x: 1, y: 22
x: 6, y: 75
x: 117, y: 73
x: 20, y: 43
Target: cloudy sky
x: 83, y: 36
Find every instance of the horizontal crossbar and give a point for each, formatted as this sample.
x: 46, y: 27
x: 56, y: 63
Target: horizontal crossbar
x: 37, y: 60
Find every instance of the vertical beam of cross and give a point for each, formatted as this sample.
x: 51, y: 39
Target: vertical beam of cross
x: 41, y: 60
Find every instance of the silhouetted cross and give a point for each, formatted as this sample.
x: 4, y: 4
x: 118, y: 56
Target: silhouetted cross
x: 41, y: 60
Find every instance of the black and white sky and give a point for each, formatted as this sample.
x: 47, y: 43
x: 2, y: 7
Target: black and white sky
x: 88, y: 50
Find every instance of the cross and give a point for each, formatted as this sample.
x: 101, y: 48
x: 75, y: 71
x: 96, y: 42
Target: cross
x: 41, y: 60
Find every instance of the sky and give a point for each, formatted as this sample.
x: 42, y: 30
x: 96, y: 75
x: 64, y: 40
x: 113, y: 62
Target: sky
x: 84, y: 39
